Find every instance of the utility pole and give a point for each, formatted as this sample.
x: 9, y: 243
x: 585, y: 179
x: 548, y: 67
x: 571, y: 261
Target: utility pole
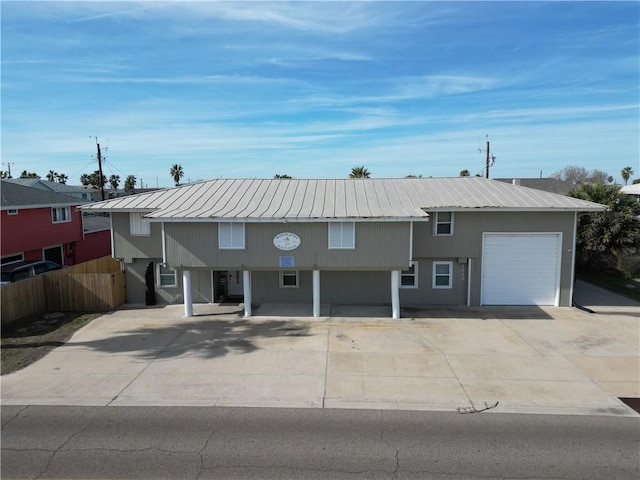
x: 100, y: 170
x: 8, y: 164
x: 490, y: 159
x: 487, y: 167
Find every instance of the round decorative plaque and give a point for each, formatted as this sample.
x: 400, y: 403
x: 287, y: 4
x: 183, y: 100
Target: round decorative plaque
x: 286, y: 241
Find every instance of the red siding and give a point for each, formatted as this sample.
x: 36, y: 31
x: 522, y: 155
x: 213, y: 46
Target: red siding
x: 32, y: 229
x: 94, y: 245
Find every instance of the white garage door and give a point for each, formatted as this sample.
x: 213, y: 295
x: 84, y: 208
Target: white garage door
x: 521, y: 269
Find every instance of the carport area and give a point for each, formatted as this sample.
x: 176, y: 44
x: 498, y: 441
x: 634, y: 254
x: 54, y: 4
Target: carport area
x: 528, y: 359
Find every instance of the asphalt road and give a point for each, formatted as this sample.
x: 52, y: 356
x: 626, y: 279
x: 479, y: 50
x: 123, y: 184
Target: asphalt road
x: 227, y: 443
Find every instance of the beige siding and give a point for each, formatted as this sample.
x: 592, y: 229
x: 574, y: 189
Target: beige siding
x: 466, y: 242
x: 425, y: 294
x: 129, y: 247
x: 383, y: 245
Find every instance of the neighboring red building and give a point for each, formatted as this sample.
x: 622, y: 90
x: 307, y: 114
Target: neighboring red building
x: 40, y: 225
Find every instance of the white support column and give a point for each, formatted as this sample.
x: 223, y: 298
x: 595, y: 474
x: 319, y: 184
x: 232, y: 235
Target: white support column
x: 186, y: 288
x: 395, y: 294
x: 469, y: 282
x: 316, y: 293
x: 246, y: 285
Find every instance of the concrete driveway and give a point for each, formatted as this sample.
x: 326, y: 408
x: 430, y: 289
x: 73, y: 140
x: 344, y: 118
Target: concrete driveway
x: 529, y: 359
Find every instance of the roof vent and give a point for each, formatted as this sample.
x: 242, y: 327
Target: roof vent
x: 515, y: 181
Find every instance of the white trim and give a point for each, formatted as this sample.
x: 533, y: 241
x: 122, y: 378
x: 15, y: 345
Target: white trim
x: 13, y: 211
x: 45, y: 205
x: 450, y: 223
x: 352, y: 246
x: 233, y: 245
x: 415, y: 275
x: 423, y: 218
x: 21, y: 255
x: 159, y: 276
x: 433, y: 274
x: 67, y: 211
x: 112, y: 235
x: 410, y: 242
x: 528, y: 234
x: 573, y: 257
x: 164, y: 245
x: 289, y: 273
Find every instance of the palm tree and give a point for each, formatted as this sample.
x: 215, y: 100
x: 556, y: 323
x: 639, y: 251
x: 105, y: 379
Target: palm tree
x: 51, y: 176
x: 606, y: 238
x: 26, y: 174
x: 62, y: 178
x: 464, y: 173
x: 626, y: 174
x: 176, y: 173
x: 85, y: 179
x: 114, y: 181
x: 359, y: 172
x: 130, y: 183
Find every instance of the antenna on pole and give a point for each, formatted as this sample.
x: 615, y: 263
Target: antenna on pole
x: 8, y: 164
x: 491, y: 159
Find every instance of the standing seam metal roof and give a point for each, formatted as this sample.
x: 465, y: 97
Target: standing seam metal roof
x: 308, y: 199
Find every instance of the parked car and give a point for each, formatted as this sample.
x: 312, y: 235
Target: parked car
x: 15, y: 272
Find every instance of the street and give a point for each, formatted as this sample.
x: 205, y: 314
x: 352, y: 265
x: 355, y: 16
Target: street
x: 270, y: 443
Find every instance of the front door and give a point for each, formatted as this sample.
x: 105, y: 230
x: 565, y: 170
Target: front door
x: 234, y: 283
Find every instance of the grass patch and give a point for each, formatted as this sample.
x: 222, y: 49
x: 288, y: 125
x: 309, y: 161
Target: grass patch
x: 613, y: 282
x: 33, y: 337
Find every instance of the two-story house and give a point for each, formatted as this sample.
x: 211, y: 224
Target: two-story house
x: 409, y: 242
x: 38, y: 224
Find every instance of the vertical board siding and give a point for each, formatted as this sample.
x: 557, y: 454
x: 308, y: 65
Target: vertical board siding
x: 97, y: 285
x: 22, y: 299
x: 84, y: 292
x: 425, y: 294
x: 136, y: 285
x: 467, y: 241
x: 129, y: 247
x: 378, y: 245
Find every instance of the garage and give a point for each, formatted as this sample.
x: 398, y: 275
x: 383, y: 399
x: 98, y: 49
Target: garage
x: 521, y: 268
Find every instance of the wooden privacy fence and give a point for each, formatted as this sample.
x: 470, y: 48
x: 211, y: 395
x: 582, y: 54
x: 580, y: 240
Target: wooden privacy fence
x: 97, y: 285
x: 22, y: 299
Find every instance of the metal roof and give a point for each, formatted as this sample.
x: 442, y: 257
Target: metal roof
x: 19, y: 196
x: 553, y: 185
x: 326, y: 199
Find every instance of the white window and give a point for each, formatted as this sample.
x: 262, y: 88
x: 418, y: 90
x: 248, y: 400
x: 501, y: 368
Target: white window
x: 12, y: 211
x: 231, y: 235
x: 19, y: 257
x: 342, y: 235
x: 138, y: 226
x: 409, y: 277
x: 167, y: 276
x: 289, y: 279
x: 442, y: 274
x: 60, y: 214
x: 444, y: 223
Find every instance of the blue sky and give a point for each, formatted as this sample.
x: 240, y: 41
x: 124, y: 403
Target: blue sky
x: 312, y: 89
